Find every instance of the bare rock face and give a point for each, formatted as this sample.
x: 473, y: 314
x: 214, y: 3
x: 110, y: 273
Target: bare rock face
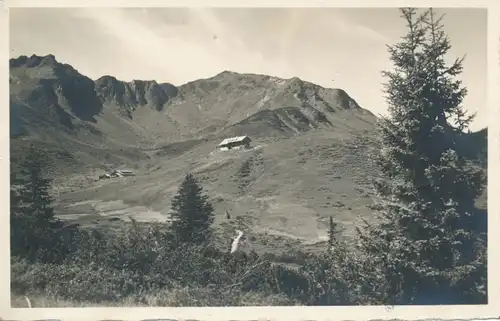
x: 55, y: 90
x: 137, y: 93
x: 111, y: 90
x: 33, y: 61
x: 149, y: 93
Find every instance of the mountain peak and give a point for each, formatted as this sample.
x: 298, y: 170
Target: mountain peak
x: 228, y: 72
x: 295, y: 79
x: 48, y: 63
x: 34, y: 61
x: 106, y: 78
x: 232, y: 74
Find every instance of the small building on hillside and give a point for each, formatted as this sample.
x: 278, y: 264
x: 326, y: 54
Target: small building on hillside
x: 234, y: 143
x: 117, y: 173
x: 122, y: 172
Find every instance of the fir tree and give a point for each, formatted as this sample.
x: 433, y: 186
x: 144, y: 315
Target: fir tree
x: 426, y: 239
x: 333, y: 231
x: 32, y: 218
x: 244, y: 173
x: 192, y: 214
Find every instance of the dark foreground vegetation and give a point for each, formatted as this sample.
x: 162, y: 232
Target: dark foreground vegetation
x: 428, y: 245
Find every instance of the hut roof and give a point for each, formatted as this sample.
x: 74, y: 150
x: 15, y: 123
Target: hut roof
x: 233, y: 140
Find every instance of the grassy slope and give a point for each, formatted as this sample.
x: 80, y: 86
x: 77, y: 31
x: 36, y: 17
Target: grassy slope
x: 293, y: 186
x: 285, y: 200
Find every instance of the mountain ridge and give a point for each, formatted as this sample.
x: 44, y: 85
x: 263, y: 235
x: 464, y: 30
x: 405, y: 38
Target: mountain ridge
x: 41, y: 81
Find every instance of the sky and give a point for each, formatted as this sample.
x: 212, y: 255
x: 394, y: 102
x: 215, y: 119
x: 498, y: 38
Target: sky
x: 332, y: 47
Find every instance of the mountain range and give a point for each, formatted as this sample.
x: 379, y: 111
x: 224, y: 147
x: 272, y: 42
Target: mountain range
x: 310, y: 161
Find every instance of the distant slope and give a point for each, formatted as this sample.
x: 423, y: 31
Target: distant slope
x: 475, y: 147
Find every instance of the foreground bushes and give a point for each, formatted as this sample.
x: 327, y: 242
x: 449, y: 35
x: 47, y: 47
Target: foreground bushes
x: 143, y: 265
x: 140, y: 262
x: 108, y: 287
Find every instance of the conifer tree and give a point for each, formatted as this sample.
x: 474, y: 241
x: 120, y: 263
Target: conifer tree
x: 426, y: 238
x: 193, y: 214
x: 333, y: 230
x: 32, y: 218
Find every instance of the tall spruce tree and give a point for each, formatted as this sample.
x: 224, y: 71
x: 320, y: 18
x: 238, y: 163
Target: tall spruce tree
x: 193, y: 214
x: 426, y: 240
x: 333, y: 231
x: 32, y: 218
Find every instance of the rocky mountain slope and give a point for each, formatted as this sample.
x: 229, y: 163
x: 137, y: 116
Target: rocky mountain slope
x: 54, y: 103
x: 311, y: 155
x: 192, y: 110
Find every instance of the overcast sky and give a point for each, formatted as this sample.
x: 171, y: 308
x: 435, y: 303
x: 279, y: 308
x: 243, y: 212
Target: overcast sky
x: 341, y: 48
